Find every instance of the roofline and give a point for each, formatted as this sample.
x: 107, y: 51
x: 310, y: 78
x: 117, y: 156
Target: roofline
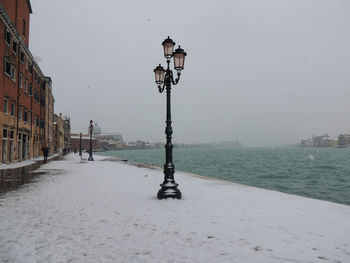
x: 30, y: 7
x: 8, y: 22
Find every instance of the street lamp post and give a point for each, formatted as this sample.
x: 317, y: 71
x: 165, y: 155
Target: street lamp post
x: 91, y: 127
x: 80, y: 142
x: 164, y: 80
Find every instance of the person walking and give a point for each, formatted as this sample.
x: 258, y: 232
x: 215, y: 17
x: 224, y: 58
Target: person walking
x: 45, y: 153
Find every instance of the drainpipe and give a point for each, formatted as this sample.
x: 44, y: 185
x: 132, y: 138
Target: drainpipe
x: 16, y: 13
x: 31, y: 115
x: 18, y: 94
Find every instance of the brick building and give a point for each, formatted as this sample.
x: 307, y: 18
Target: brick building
x: 26, y: 100
x: 85, y: 142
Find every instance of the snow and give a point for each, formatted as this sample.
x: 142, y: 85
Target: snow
x: 25, y: 163
x: 107, y: 211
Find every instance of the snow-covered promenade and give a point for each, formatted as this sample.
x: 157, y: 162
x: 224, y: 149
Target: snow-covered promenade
x: 105, y: 211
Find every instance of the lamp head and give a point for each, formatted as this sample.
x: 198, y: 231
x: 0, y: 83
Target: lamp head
x: 159, y: 73
x: 179, y: 59
x: 168, y: 45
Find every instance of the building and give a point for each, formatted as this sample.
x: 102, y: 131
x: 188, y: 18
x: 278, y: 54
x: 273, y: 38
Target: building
x: 344, y: 140
x: 108, y: 141
x: 26, y: 104
x: 111, y: 141
x: 85, y: 142
x: 49, y: 115
x: 321, y: 141
x: 307, y: 143
x: 96, y: 131
x: 58, y: 133
x: 100, y: 141
x: 66, y: 128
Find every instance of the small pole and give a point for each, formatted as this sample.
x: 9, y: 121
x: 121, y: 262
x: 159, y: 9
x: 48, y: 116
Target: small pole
x: 80, y: 141
x: 91, y: 128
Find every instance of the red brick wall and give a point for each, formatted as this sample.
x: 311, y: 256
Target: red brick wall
x: 19, y: 10
x: 75, y: 143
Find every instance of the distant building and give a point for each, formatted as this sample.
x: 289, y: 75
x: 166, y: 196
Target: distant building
x: 110, y: 141
x: 96, y: 130
x: 58, y: 134
x: 321, y: 141
x: 75, y: 142
x: 66, y: 128
x: 344, y: 140
x: 307, y: 143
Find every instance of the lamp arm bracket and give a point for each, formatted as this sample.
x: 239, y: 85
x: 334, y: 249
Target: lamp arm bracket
x: 161, y: 88
x: 177, y: 78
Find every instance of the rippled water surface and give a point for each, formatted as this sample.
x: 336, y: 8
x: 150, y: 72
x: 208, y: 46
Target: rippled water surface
x: 322, y: 173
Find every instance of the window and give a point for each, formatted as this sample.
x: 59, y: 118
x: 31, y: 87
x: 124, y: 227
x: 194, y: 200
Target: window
x: 20, y: 80
x: 30, y: 89
x: 5, y: 105
x: 10, y: 70
x: 12, y: 109
x: 22, y: 57
x: 25, y: 86
x: 36, y: 95
x: 4, y: 146
x: 25, y: 116
x: 7, y: 37
x: 26, y: 63
x: 20, y: 113
x: 31, y: 69
x: 37, y: 122
x: 14, y: 47
x: 29, y: 117
x: 24, y: 28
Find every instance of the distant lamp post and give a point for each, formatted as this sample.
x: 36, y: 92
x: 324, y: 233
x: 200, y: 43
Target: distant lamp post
x: 55, y: 138
x: 80, y: 143
x: 164, y: 79
x: 90, y: 130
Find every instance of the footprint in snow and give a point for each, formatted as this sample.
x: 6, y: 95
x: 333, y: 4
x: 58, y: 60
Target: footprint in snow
x: 258, y: 248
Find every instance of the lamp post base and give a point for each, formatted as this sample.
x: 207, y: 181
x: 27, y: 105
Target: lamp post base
x: 90, y: 158
x: 169, y: 190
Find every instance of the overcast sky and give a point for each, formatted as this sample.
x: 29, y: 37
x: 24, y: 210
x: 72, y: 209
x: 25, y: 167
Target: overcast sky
x: 265, y: 72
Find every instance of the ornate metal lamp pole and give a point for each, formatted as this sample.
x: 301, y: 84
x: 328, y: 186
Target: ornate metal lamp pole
x: 164, y: 79
x: 91, y: 127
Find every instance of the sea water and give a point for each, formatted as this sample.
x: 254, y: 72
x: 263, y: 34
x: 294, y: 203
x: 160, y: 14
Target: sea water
x: 321, y: 173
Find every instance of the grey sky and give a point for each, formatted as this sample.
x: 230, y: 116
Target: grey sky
x: 262, y: 71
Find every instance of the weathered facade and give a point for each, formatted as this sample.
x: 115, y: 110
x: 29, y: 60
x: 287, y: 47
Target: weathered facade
x: 66, y: 128
x: 58, y: 134
x: 49, y: 114
x: 24, y: 103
